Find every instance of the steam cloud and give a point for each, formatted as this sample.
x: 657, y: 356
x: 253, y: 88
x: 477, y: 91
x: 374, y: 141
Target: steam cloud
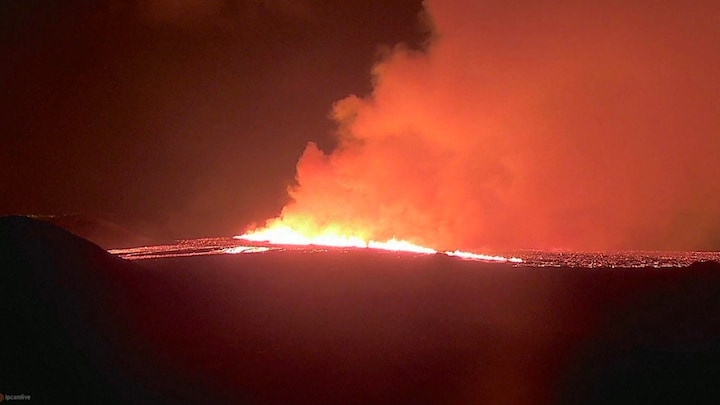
x: 578, y: 125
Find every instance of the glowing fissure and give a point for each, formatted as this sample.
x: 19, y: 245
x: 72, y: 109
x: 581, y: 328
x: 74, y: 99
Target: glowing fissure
x: 281, y: 234
x: 246, y: 249
x: 477, y: 256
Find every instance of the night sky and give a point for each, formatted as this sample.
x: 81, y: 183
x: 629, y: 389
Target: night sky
x: 498, y: 125
x: 185, y: 116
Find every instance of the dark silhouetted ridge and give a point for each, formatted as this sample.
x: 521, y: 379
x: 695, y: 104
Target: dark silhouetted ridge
x: 62, y: 305
x: 80, y: 325
x: 104, y: 232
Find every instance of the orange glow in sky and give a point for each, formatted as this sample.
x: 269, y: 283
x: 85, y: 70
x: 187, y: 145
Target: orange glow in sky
x: 586, y: 127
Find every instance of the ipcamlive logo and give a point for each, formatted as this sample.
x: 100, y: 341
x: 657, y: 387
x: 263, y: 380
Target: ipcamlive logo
x: 8, y: 397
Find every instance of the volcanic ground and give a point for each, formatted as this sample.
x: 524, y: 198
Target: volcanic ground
x: 347, y: 327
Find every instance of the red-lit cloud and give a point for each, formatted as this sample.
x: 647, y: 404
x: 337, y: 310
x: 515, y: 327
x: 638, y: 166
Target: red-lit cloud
x: 580, y: 125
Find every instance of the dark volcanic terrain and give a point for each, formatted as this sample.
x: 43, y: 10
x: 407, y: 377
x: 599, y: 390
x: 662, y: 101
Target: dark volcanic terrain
x: 358, y: 327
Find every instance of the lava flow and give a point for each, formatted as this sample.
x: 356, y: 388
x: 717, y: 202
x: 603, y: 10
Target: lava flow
x: 281, y: 234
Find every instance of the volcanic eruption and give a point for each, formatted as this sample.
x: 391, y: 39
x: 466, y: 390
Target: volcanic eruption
x: 575, y: 126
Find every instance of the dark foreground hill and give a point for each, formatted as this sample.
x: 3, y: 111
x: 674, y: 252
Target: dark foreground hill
x: 82, y: 326
x: 70, y: 312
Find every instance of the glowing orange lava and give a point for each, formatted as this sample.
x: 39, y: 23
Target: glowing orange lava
x: 246, y: 249
x: 478, y: 256
x: 279, y: 233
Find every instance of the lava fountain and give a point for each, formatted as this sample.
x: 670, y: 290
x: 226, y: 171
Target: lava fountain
x: 279, y: 233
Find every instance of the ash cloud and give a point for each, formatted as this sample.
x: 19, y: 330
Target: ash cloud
x: 576, y: 125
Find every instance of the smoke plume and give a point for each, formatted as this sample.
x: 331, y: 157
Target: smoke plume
x: 577, y: 125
